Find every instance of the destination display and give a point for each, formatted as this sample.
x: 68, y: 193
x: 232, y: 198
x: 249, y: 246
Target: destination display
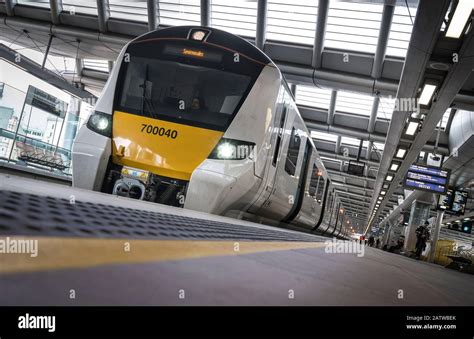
x: 426, y: 178
x: 459, y: 202
x: 445, y: 201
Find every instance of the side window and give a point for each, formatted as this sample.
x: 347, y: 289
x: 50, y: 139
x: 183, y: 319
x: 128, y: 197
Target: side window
x: 293, y: 150
x: 280, y: 133
x: 316, y: 188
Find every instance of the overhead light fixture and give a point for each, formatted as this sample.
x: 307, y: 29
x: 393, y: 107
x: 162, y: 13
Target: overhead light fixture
x: 460, y: 18
x: 383, y: 192
x: 385, y: 186
x: 394, y: 166
x: 401, y: 152
x: 427, y: 92
x: 389, y: 178
x: 412, y: 126
x: 380, y: 198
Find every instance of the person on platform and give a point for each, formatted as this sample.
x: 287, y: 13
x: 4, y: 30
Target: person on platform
x: 377, y: 243
x: 371, y: 241
x: 422, y: 236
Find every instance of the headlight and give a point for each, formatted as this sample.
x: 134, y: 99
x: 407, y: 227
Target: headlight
x: 230, y: 149
x: 100, y: 123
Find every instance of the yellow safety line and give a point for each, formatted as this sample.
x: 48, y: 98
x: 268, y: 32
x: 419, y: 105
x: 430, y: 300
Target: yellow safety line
x: 62, y: 253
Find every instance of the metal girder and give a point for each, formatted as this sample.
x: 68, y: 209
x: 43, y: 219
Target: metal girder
x: 10, y: 7
x: 360, y: 134
x: 332, y: 107
x: 323, y: 10
x: 153, y: 14
x: 346, y: 158
x: 341, y: 191
x: 56, y: 9
x: 428, y: 22
x: 351, y: 186
x: 44, y: 74
x: 373, y: 114
x: 206, y: 13
x: 103, y: 14
x: 344, y: 174
x: 261, y: 34
x: 385, y: 25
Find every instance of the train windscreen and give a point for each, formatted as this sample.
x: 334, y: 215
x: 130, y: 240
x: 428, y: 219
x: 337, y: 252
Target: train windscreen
x: 186, y: 83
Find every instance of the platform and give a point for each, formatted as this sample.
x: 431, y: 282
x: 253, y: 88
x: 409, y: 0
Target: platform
x: 117, y: 251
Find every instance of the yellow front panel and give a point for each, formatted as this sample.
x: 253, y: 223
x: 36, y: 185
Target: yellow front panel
x: 166, y: 148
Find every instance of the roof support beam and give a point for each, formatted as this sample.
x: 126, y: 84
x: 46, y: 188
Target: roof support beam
x: 338, y: 145
x: 206, y: 13
x: 153, y: 14
x: 369, y: 150
x: 332, y: 107
x: 10, y: 6
x: 430, y: 16
x: 343, y: 174
x: 56, y: 9
x: 261, y: 35
x: 385, y: 24
x: 345, y: 158
x: 373, y: 114
x: 103, y: 14
x: 361, y: 134
x: 323, y: 9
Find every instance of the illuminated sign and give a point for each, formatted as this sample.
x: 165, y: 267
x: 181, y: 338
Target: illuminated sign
x: 191, y: 52
x: 445, y: 201
x: 426, y: 178
x: 459, y: 202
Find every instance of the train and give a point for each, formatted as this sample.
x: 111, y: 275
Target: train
x: 199, y: 118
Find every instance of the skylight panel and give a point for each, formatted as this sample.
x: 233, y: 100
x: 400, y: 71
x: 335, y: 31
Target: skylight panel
x: 34, y: 3
x: 295, y: 22
x: 354, y: 103
x: 135, y: 10
x: 96, y: 64
x: 313, y: 96
x: 386, y: 106
x: 180, y: 12
x: 353, y: 26
x: 400, y: 31
x: 350, y: 141
x: 238, y: 16
x: 323, y: 136
x: 378, y: 146
x: 80, y: 6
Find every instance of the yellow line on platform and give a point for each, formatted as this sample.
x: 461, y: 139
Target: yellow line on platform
x: 62, y: 253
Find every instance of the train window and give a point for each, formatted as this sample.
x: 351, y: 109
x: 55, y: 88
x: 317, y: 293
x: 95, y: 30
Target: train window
x: 280, y: 133
x: 198, y: 87
x: 293, y: 151
x: 316, y: 186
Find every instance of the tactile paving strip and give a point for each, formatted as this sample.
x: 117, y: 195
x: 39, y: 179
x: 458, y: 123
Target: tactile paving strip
x: 34, y: 215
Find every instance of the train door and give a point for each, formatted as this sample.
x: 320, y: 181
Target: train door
x: 290, y: 160
x: 274, y: 150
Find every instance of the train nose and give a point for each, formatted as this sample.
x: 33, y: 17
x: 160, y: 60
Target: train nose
x: 173, y: 155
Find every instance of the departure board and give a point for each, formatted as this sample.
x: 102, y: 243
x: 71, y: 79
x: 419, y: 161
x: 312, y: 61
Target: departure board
x: 426, y: 178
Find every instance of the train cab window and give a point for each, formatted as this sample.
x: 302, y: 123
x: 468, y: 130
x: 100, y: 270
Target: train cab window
x: 293, y: 151
x: 203, y: 89
x: 316, y: 186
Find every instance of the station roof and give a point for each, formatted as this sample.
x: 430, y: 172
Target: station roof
x: 348, y: 62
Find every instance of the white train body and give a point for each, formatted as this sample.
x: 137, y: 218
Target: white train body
x: 139, y: 152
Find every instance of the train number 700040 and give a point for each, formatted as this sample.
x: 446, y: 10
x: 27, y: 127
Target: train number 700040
x: 155, y: 130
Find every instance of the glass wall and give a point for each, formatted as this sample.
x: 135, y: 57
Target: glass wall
x: 38, y: 122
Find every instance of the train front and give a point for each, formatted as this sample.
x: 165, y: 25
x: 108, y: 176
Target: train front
x: 164, y: 110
